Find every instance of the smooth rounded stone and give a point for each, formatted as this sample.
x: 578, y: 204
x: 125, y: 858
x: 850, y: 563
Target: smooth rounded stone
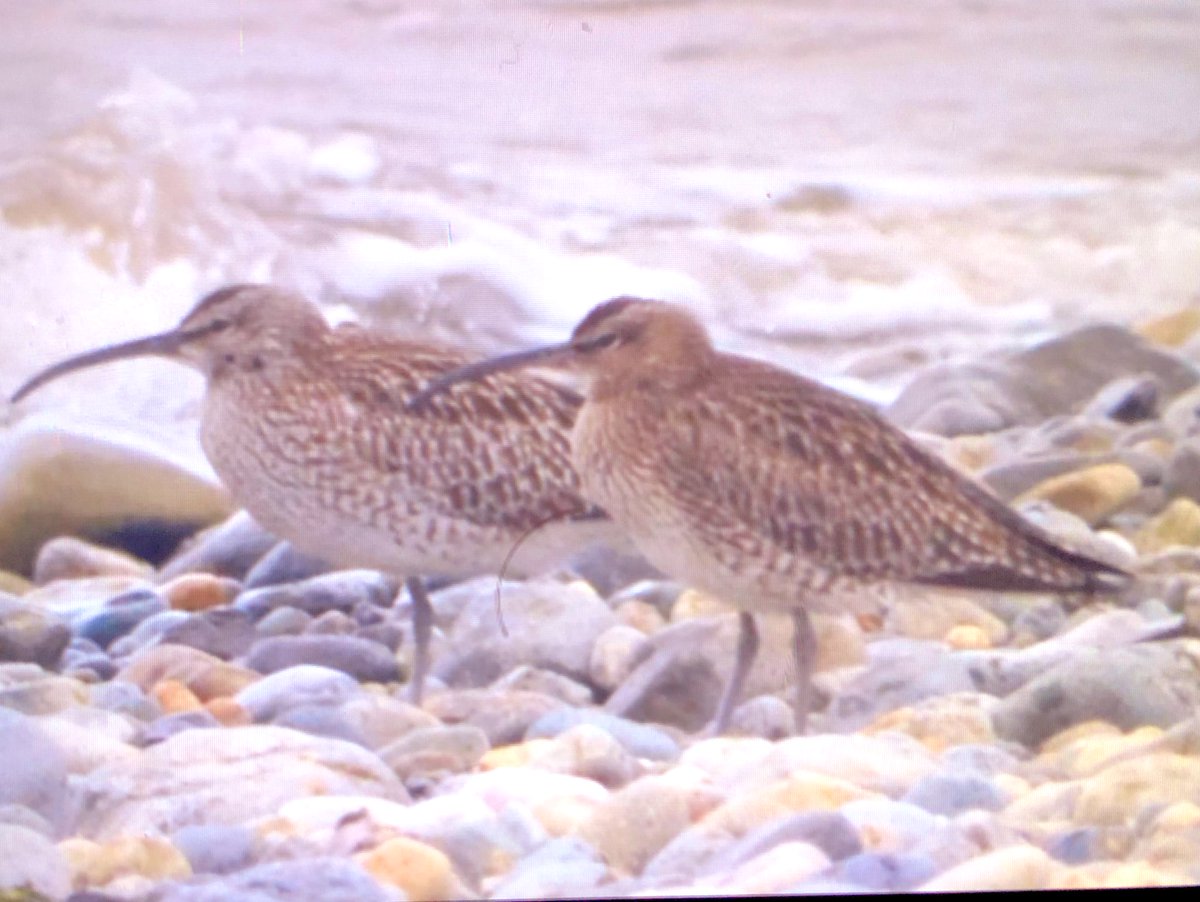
x: 775, y: 870
x: 365, y: 614
x: 337, y: 591
x: 639, y: 740
x: 223, y: 633
x: 324, y: 879
x: 828, y: 831
x: 190, y: 779
x: 432, y: 752
x: 199, y: 591
x: 124, y: 698
x: 31, y: 862
x: 35, y: 769
x: 39, y: 693
x: 75, y: 599
x: 119, y: 616
x: 943, y: 721
x: 953, y: 793
x: 1178, y: 524
x: 321, y: 720
x: 216, y: 848
x: 588, y: 751
x: 616, y: 652
x: 661, y: 594
x: 362, y: 659
x: 66, y: 557
x: 886, y: 872
x: 767, y: 716
x: 504, y: 716
x: 551, y: 626
x: 933, y: 615
x: 229, y: 549
x: 633, y: 824
x: 332, y: 623
x: 146, y: 633
x: 95, y: 864
x: 89, y: 668
x: 417, y: 869
x: 526, y: 678
x: 388, y: 634
x: 90, y: 741
x: 1181, y: 479
x: 206, y: 675
x: 305, y: 684
x: 1078, y: 846
x: 612, y: 566
x: 283, y: 621
x: 1171, y: 330
x: 1127, y: 399
x: 31, y: 633
x: 13, y: 584
x: 1128, y: 687
x: 1118, y: 794
x: 383, y: 719
x: 985, y: 759
x: 1013, y: 869
x: 284, y: 564
x: 1094, y: 493
x: 163, y: 728
x: 1025, y: 388
x: 563, y: 868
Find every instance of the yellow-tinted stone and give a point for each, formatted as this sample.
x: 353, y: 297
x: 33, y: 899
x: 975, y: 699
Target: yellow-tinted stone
x: 1085, y: 755
x: 641, y: 615
x: 1178, y: 524
x: 566, y: 816
x: 1172, y: 330
x: 1093, y: 493
x: 206, y: 675
x: 517, y: 755
x: 933, y: 615
x: 14, y: 583
x: 199, y: 591
x: 228, y: 712
x: 1072, y: 734
x: 422, y: 871
x: 694, y: 603
x: 803, y: 791
x: 1119, y: 793
x: 939, y: 723
x: 967, y: 636
x: 971, y: 452
x: 174, y: 697
x: 1011, y: 869
x: 96, y: 864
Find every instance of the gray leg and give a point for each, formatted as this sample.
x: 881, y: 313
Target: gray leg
x: 422, y: 621
x: 747, y: 648
x: 804, y: 651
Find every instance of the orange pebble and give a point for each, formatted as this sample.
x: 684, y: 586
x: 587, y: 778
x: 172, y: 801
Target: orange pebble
x: 228, y: 712
x: 200, y: 591
x: 174, y: 697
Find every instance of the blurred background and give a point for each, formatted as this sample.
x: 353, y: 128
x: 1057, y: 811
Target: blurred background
x: 856, y: 189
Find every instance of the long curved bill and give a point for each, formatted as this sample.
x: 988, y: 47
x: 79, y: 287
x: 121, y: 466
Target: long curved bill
x: 165, y: 343
x: 546, y: 356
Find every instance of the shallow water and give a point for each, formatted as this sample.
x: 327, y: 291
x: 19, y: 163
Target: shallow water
x: 853, y: 189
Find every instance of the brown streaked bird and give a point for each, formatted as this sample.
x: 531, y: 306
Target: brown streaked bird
x: 772, y: 491
x: 306, y: 426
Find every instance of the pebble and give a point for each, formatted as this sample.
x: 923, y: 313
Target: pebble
x: 1178, y: 524
x: 885, y: 871
x: 638, y: 820
x: 328, y: 879
x: 321, y: 720
x: 191, y: 779
x: 215, y: 848
x: 199, y: 591
x: 526, y: 678
x: 28, y: 632
x: 206, y: 675
x: 504, y: 717
x: 119, y: 616
x: 283, y: 621
x: 430, y: 753
x: 1121, y: 793
x: 420, y: 870
x: 383, y: 719
x: 39, y: 693
x: 954, y: 793
x: 1017, y: 868
x: 767, y: 716
x: 229, y: 548
x: 337, y: 591
x: 284, y: 564
x: 361, y: 659
x: 31, y: 862
x: 639, y: 740
x: 562, y: 868
x: 1093, y: 493
x: 306, y: 684
x: 222, y: 632
x: 94, y: 865
x: 616, y: 652
x: 66, y: 557
x: 551, y: 626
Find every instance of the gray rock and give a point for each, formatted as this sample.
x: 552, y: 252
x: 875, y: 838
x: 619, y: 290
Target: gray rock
x: 124, y: 698
x: 31, y: 633
x: 321, y: 720
x: 216, y: 848
x: 1057, y: 376
x: 34, y: 773
x: 295, y: 686
x: 504, y: 716
x: 383, y: 719
x: 986, y: 760
x: 230, y: 548
x: 119, y: 616
x: 1128, y: 399
x: 146, y: 633
x: 562, y: 868
x: 886, y: 872
x: 525, y: 678
x: 337, y: 591
x: 284, y: 564
x: 39, y: 693
x: 1128, y: 687
x: 163, y: 728
x: 429, y: 753
x: 551, y: 625
x: 362, y: 659
x: 829, y: 831
x: 283, y: 621
x: 1182, y: 476
x: 332, y: 623
x: 767, y: 716
x: 190, y: 779
x: 639, y: 740
x: 686, y: 855
x: 387, y: 633
x: 609, y: 569
x: 954, y: 793
x: 316, y: 879
x: 222, y: 632
x: 32, y: 862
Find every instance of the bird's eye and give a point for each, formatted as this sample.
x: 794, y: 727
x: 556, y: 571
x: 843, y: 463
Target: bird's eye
x: 604, y: 340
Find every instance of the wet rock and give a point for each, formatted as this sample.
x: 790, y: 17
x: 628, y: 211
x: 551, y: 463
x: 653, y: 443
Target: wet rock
x: 31, y: 862
x: 58, y: 479
x: 430, y: 753
x: 1094, y: 493
x: 305, y: 684
x: 35, y: 769
x: 215, y: 848
x: 639, y: 740
x: 551, y: 625
x: 199, y: 591
x: 504, y: 716
x: 1128, y: 687
x: 337, y: 591
x: 284, y: 564
x: 525, y: 678
x: 30, y: 633
x: 189, y: 779
x: 229, y: 549
x: 66, y: 557
x: 362, y: 659
x: 322, y: 878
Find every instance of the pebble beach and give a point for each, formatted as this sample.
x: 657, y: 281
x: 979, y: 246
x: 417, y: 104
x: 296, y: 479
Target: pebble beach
x: 949, y: 210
